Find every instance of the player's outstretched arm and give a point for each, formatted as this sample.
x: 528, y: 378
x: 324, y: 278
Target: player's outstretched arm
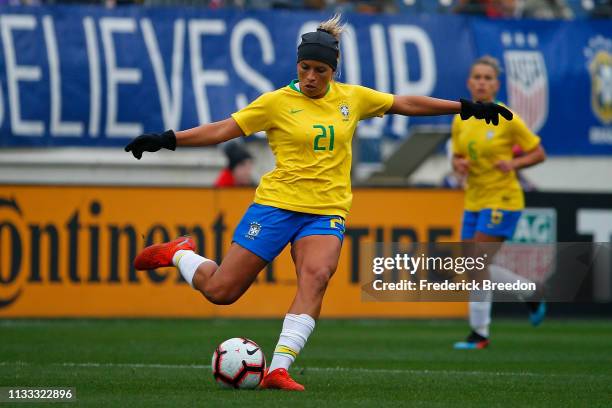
x: 203, y: 135
x: 423, y: 106
x: 428, y: 106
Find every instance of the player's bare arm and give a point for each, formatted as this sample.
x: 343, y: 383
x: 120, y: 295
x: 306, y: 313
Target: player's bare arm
x: 204, y: 135
x: 209, y: 133
x: 423, y: 106
x: 412, y: 105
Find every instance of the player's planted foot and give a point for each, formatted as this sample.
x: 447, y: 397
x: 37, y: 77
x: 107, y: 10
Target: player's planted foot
x: 473, y: 342
x: 537, y: 312
x: 160, y: 255
x: 280, y: 379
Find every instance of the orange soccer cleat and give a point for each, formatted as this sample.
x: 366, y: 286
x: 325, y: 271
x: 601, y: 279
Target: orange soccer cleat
x: 280, y: 379
x: 159, y: 255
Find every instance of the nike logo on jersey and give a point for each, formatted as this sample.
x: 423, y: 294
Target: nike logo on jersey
x: 251, y: 352
x: 296, y: 111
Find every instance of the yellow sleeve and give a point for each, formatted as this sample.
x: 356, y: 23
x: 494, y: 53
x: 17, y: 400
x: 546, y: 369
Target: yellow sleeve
x: 522, y: 135
x: 255, y: 116
x: 455, y: 129
x: 372, y: 103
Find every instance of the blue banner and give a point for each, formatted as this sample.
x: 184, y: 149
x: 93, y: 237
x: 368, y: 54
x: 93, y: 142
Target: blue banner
x: 558, y: 77
x: 89, y: 76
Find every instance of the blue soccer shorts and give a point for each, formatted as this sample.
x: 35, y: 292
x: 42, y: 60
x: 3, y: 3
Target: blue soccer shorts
x: 266, y: 230
x: 497, y: 223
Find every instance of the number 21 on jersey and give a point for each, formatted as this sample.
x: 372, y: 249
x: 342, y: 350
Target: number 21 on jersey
x: 321, y: 141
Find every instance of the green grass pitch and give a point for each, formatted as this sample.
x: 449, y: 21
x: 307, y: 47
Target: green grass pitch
x: 346, y: 363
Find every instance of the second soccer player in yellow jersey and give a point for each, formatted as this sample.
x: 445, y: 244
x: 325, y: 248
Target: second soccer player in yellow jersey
x: 493, y: 196
x: 305, y: 200
x: 484, y: 146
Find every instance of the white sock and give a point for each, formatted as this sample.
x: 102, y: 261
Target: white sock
x: 502, y: 275
x: 187, y: 262
x: 293, y: 337
x: 480, y: 313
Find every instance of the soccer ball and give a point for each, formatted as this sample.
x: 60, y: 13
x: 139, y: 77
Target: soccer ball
x: 238, y: 363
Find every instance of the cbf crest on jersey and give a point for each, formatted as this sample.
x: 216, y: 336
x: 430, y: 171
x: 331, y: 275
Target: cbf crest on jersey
x: 254, y: 230
x: 526, y: 78
x: 599, y: 64
x: 344, y: 110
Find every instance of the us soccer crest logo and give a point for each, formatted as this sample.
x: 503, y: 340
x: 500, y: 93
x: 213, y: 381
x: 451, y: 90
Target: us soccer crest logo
x: 254, y: 230
x: 526, y: 79
x: 599, y: 64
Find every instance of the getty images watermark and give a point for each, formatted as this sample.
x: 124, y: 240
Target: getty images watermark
x: 473, y: 272
x: 436, y: 264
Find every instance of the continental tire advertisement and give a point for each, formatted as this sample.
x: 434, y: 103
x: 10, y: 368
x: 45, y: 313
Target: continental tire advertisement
x: 68, y: 251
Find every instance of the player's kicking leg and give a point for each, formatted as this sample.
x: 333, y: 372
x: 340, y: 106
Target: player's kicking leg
x: 221, y: 285
x: 160, y: 255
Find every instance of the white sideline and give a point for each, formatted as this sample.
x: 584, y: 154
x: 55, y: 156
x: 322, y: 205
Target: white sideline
x: 317, y: 369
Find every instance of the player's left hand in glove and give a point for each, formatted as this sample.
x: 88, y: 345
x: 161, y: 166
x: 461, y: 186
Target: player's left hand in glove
x: 488, y: 111
x: 152, y: 142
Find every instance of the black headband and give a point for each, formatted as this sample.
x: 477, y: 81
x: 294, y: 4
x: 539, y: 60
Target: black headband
x: 319, y: 46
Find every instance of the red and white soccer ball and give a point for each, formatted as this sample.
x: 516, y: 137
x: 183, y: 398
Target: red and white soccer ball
x: 238, y: 363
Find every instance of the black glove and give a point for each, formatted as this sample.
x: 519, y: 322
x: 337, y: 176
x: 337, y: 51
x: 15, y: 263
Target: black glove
x: 488, y: 111
x: 151, y: 142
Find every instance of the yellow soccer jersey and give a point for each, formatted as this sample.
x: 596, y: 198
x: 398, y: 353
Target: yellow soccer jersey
x: 484, y: 145
x: 311, y: 140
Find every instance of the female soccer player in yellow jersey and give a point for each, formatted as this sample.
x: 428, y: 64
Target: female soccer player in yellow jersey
x: 305, y: 199
x: 493, y: 197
